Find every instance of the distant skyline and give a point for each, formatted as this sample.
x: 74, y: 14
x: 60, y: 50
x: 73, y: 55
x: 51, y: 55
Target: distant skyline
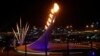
x: 74, y: 12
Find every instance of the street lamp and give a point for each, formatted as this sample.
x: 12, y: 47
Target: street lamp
x: 87, y: 26
x: 92, y: 25
x: 70, y: 26
x: 67, y: 27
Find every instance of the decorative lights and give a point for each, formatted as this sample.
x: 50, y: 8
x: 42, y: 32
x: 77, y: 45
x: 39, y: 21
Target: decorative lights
x: 51, y: 18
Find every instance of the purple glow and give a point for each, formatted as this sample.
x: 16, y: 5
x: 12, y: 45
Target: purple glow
x: 93, y: 54
x: 42, y: 43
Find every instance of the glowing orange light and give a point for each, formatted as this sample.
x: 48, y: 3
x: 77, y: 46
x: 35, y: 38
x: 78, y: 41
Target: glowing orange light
x: 52, y: 11
x: 49, y: 20
x: 56, y: 7
x: 51, y: 16
x: 48, y: 23
x: 46, y: 27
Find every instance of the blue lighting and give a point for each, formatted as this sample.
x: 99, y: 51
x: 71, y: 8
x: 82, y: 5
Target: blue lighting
x: 92, y: 53
x: 42, y: 43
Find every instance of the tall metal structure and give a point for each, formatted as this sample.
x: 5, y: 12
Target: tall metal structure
x: 42, y: 43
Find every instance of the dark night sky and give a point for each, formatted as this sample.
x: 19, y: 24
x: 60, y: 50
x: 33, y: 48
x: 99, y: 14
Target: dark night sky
x: 75, y: 12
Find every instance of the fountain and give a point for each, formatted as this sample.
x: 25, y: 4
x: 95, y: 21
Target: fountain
x: 21, y: 33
